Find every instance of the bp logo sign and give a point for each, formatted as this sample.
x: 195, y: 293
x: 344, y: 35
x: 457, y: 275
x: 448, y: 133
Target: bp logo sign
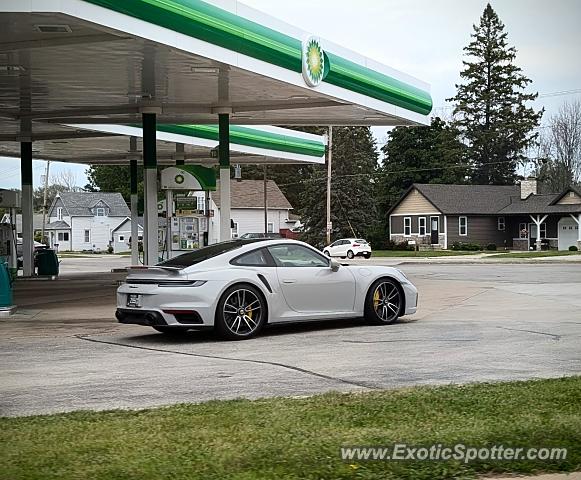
x: 179, y: 179
x: 313, y: 61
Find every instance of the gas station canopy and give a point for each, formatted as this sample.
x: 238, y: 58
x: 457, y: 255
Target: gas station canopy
x: 105, y: 61
x: 106, y: 144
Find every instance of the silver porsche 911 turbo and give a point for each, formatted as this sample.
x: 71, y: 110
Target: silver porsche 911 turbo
x: 238, y: 286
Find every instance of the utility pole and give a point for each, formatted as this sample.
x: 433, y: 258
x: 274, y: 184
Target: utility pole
x: 265, y: 205
x: 329, y: 159
x: 44, y: 201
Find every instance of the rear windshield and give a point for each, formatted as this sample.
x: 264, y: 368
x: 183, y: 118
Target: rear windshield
x: 361, y: 240
x: 205, y: 253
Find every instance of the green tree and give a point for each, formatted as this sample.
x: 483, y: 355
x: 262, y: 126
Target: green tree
x: 491, y: 111
x: 51, y: 192
x: 353, y: 211
x: 288, y: 177
x: 115, y: 178
x: 431, y: 154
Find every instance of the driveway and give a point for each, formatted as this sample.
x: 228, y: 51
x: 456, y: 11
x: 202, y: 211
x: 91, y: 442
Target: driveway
x: 475, y: 323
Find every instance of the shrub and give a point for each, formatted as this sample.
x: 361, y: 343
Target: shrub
x: 467, y: 246
x: 109, y: 249
x: 573, y: 248
x: 491, y: 246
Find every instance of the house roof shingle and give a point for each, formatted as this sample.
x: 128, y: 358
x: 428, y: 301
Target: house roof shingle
x: 250, y: 194
x: 80, y: 203
x: 490, y: 200
x: 468, y: 199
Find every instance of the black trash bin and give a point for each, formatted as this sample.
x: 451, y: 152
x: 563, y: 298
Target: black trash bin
x: 47, y: 262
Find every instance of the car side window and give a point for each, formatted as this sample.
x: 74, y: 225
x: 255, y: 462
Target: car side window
x: 297, y: 256
x: 256, y: 258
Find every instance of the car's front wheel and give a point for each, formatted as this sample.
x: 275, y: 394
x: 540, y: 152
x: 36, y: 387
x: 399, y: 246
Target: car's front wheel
x: 367, y: 255
x: 241, y: 312
x: 384, y: 302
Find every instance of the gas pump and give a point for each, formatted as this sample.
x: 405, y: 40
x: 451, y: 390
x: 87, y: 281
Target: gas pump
x: 187, y: 224
x: 8, y: 252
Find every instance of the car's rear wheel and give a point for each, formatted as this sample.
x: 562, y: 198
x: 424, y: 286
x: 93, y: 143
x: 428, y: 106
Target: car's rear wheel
x: 384, y: 302
x: 350, y: 254
x: 241, y: 312
x: 170, y: 330
x: 326, y: 253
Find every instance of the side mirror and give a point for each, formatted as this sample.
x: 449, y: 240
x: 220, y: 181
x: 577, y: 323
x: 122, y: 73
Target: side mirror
x: 334, y: 265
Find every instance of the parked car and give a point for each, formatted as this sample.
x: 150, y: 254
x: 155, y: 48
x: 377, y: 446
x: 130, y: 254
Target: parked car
x: 238, y: 286
x: 348, y: 247
x: 19, y: 249
x: 260, y: 235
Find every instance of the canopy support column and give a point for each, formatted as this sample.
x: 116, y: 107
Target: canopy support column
x: 134, y: 204
x: 150, y: 235
x: 27, y: 216
x: 224, y: 154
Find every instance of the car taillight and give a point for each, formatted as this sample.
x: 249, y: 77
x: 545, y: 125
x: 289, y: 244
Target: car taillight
x: 355, y: 245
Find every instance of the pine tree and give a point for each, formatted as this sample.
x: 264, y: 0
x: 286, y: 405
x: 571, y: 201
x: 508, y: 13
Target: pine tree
x: 353, y: 210
x: 491, y: 111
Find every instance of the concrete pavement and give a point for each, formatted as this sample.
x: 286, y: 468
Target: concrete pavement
x: 475, y: 323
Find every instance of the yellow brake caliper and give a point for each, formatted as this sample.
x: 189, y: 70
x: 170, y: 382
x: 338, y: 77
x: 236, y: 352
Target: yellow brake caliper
x: 375, y: 299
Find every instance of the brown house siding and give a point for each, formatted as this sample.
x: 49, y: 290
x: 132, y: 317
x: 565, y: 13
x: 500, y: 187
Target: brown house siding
x: 482, y: 230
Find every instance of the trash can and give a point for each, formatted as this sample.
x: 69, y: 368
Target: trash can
x: 5, y: 286
x: 47, y: 262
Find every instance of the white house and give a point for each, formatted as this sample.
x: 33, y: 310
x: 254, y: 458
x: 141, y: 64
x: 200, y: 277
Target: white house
x: 85, y: 220
x: 247, y: 210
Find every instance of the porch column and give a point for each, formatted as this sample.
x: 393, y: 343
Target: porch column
x: 134, y: 203
x: 151, y: 249
x: 224, y: 157
x: 27, y: 216
x: 578, y: 221
x: 538, y: 221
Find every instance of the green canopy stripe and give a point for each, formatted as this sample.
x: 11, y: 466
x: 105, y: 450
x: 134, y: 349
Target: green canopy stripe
x: 251, y: 137
x: 214, y: 25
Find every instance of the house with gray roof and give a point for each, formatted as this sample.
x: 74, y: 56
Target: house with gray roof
x: 514, y: 216
x: 247, y: 209
x: 85, y: 220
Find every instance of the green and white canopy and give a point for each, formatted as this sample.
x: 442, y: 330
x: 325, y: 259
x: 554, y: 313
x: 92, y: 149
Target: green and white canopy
x: 105, y: 61
x: 110, y: 144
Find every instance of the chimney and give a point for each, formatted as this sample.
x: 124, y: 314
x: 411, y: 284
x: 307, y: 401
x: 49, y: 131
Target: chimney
x: 528, y: 186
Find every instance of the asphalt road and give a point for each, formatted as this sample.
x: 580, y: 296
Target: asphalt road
x: 475, y: 323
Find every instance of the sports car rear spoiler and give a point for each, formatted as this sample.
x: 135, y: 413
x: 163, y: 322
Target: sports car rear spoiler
x: 153, y: 267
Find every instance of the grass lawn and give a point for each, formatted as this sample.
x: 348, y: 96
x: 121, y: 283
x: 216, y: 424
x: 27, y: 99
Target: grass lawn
x: 548, y: 253
x: 300, y: 438
x: 423, y: 253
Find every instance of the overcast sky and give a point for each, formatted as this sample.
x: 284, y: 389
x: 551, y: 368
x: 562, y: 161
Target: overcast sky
x: 424, y: 38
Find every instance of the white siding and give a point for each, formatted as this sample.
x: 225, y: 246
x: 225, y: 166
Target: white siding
x: 100, y: 231
x: 249, y: 220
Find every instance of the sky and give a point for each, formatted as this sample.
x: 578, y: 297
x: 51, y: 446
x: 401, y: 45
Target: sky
x: 425, y: 38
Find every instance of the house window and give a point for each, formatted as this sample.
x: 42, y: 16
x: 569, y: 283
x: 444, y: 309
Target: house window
x: 501, y: 224
x: 407, y: 226
x: 100, y: 212
x: 463, y: 226
x: 87, y: 236
x: 543, y: 230
x: 422, y: 226
x: 522, y: 230
x: 59, y: 213
x: 270, y: 228
x: 121, y: 238
x: 63, y: 236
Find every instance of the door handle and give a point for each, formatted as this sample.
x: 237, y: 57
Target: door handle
x: 289, y: 281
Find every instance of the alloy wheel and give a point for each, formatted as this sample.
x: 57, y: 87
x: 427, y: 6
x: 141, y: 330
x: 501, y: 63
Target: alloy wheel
x: 242, y: 312
x: 386, y: 301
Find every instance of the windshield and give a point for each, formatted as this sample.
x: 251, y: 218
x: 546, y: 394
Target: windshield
x: 205, y: 253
